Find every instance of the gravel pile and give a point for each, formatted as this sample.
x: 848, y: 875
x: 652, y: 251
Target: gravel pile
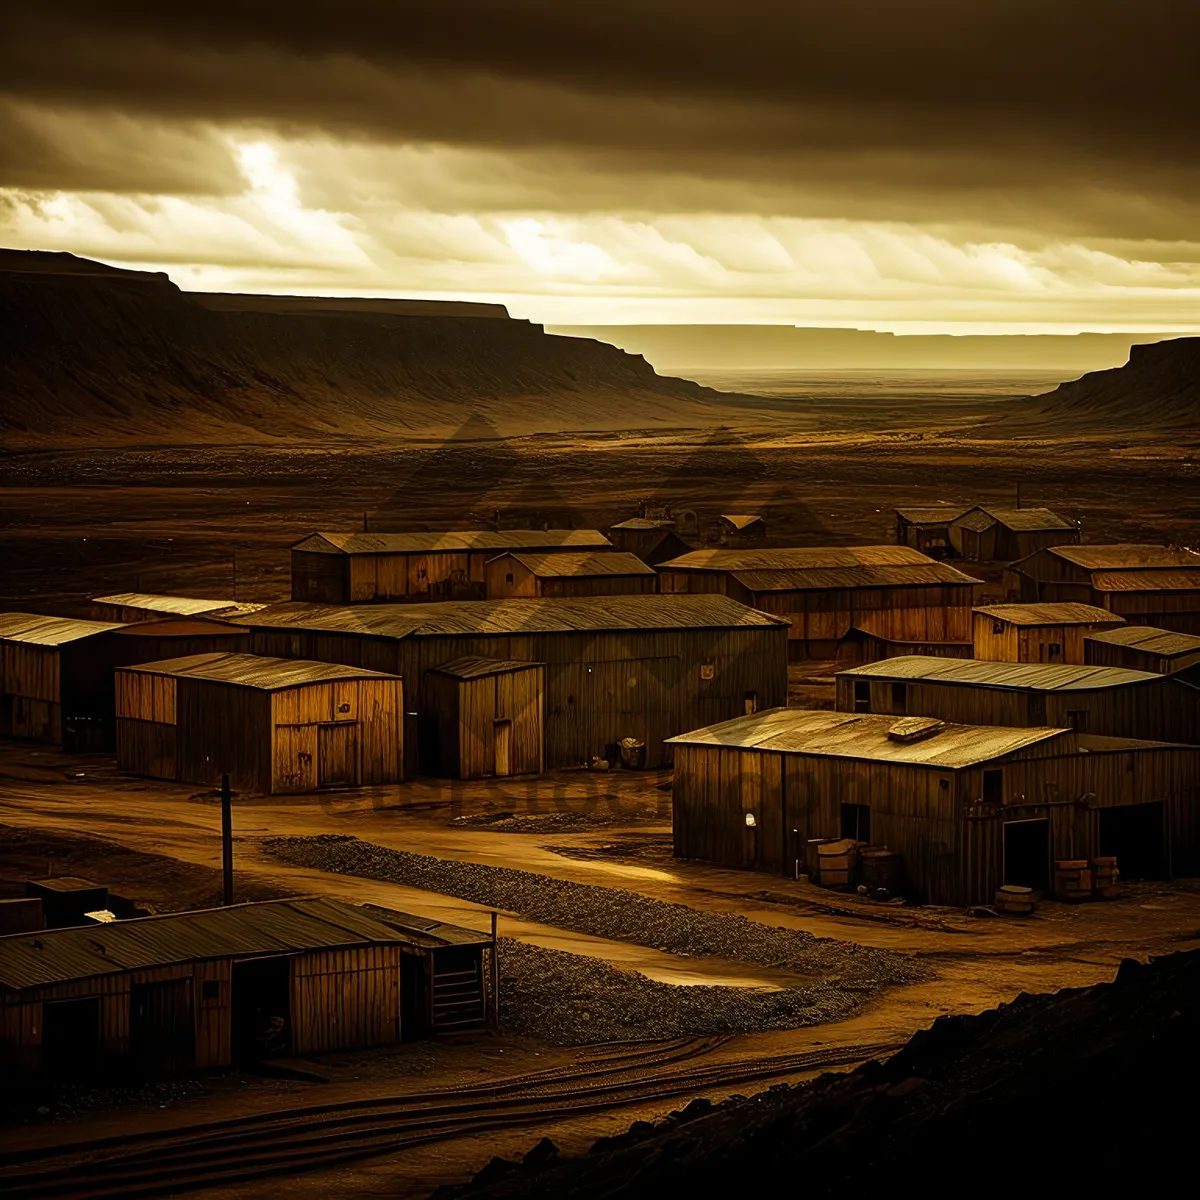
x: 611, y: 913
x: 559, y: 822
x: 570, y: 999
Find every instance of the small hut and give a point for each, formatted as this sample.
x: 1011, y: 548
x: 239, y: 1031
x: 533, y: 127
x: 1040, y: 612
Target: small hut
x: 528, y: 575
x: 1048, y: 633
x: 55, y: 680
x: 652, y: 539
x: 144, y: 606
x: 272, y: 724
x: 1143, y: 648
x: 984, y: 534
x: 926, y: 527
x: 742, y: 529
x: 485, y: 717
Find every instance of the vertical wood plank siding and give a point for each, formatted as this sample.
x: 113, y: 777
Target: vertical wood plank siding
x: 1004, y: 641
x: 344, y: 999
x: 585, y: 712
x: 952, y: 845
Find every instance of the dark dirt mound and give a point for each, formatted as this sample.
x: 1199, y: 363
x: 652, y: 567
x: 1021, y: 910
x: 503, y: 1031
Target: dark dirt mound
x: 1087, y: 1087
x: 91, y: 353
x: 1158, y: 388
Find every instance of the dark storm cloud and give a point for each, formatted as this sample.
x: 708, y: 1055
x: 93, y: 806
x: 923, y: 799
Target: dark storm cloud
x: 1072, y: 111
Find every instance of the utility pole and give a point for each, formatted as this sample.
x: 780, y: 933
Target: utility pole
x: 233, y: 564
x: 495, y: 974
x: 365, y: 530
x: 226, y: 842
x: 1018, y: 493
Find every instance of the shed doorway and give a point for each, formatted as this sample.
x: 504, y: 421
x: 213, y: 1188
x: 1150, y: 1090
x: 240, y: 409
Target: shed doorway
x: 1135, y: 835
x: 71, y: 1037
x: 414, y: 996
x: 503, y: 744
x: 337, y: 754
x: 262, y: 1009
x: 162, y: 1028
x: 1027, y: 853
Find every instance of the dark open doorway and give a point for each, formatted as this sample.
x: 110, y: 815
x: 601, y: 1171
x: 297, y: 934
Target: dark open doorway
x: 414, y: 996
x: 162, y: 1028
x: 262, y: 1009
x: 1135, y: 835
x: 1027, y: 853
x: 856, y: 822
x: 71, y: 1037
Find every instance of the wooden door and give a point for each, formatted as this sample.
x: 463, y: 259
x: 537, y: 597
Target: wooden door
x: 295, y: 758
x: 337, y: 755
x: 503, y: 747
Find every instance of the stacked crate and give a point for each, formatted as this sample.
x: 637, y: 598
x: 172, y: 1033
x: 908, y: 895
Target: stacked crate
x: 1104, y: 878
x: 837, y: 863
x: 1072, y: 880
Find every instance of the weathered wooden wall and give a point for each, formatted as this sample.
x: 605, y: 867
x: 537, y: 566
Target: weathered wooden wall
x: 1098, y: 653
x: 345, y: 999
x: 1004, y: 641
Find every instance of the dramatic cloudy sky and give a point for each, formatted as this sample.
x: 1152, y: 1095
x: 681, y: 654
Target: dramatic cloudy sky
x: 894, y: 163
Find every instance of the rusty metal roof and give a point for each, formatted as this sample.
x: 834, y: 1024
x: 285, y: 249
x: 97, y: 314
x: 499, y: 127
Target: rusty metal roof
x: 181, y: 606
x: 1152, y: 579
x: 254, y: 670
x: 740, y: 521
x: 1034, y: 520
x: 799, y: 558
x: 1027, y: 677
x: 558, y: 614
x: 824, y: 578
x: 645, y: 523
x: 865, y: 737
x: 562, y: 564
x: 930, y: 514
x: 1049, y: 613
x: 1125, y: 555
x: 974, y: 519
x: 50, y: 956
x: 475, y: 667
x: 1162, y: 642
x: 432, y: 542
x: 426, y: 931
x: 35, y: 629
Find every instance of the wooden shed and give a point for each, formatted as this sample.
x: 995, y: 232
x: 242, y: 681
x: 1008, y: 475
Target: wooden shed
x: 528, y: 574
x: 645, y: 667
x: 1146, y: 585
x: 216, y: 987
x: 893, y: 592
x: 55, y: 680
x: 986, y: 534
x: 1047, y: 633
x: 969, y: 807
x: 1113, y: 701
x: 926, y: 527
x: 272, y: 724
x: 488, y: 718
x: 402, y: 568
x: 145, y: 606
x: 1143, y: 648
x: 652, y: 539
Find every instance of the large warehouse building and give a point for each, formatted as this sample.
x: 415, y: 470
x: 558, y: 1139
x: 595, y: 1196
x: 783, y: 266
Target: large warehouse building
x: 968, y: 807
x: 403, y: 568
x: 892, y: 593
x: 642, y: 667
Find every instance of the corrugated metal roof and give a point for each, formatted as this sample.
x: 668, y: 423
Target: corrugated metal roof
x: 254, y: 670
x: 798, y: 558
x: 1153, y: 579
x: 1153, y: 641
x: 645, y: 523
x: 1026, y: 677
x: 558, y: 614
x: 474, y: 667
x: 51, y: 956
x: 975, y: 519
x: 865, y: 736
x: 430, y: 542
x: 1049, y: 613
x: 1033, y: 520
x: 1120, y: 555
x: 182, y: 606
x: 562, y: 564
x: 930, y: 514
x: 740, y: 521
x: 35, y: 629
x: 928, y: 574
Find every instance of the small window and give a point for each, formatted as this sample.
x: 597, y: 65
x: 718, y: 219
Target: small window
x: 508, y: 578
x: 997, y: 627
x: 993, y: 787
x: 856, y: 822
x: 210, y: 991
x: 750, y: 703
x: 1054, y: 652
x: 1078, y: 719
x: 900, y: 697
x: 862, y: 696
